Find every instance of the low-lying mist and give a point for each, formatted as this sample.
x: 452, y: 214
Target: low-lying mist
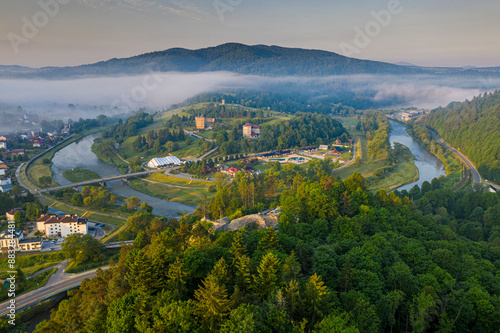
x: 89, y: 97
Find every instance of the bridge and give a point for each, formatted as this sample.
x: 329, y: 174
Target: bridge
x: 115, y: 245
x: 102, y: 180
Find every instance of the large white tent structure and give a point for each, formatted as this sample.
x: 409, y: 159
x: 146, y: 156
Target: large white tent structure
x: 159, y: 162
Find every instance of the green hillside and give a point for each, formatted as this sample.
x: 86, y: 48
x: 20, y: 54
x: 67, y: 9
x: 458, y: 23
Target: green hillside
x: 473, y: 127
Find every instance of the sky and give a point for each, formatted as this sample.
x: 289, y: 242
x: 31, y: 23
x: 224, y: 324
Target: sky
x: 451, y: 33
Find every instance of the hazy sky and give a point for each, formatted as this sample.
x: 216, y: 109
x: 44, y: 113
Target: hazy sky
x: 423, y: 32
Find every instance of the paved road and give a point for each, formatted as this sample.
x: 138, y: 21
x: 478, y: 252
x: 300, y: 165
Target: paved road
x: 475, y: 174
x: 58, y: 282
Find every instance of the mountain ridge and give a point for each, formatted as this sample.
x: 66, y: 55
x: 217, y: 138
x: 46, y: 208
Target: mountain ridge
x: 239, y: 58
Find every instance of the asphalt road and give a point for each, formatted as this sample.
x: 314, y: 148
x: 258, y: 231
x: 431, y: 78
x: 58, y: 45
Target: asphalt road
x: 475, y: 174
x: 57, y: 283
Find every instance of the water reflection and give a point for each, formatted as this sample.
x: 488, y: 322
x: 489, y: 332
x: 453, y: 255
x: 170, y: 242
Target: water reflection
x: 80, y: 155
x: 429, y: 166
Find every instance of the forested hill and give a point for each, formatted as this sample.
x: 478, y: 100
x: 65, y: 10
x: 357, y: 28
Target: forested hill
x: 474, y: 127
x: 232, y: 57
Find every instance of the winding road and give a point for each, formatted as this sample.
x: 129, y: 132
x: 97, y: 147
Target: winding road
x: 475, y: 174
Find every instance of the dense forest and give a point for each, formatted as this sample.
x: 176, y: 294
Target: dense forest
x: 327, y: 98
x: 473, y: 127
x: 300, y: 131
x: 343, y: 260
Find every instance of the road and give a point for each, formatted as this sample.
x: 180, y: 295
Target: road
x: 57, y: 283
x: 475, y: 174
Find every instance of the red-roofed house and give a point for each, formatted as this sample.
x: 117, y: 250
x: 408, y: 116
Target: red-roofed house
x: 38, y: 143
x: 251, y: 131
x: 61, y: 226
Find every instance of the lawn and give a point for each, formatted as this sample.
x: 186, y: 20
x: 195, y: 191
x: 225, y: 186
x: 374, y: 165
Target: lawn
x: 39, y: 169
x: 405, y: 172
x: 78, y: 175
x: 32, y: 263
x: 113, y: 161
x: 188, y: 192
x: 117, y: 218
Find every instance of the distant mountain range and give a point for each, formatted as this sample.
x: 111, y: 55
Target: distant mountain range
x: 232, y: 57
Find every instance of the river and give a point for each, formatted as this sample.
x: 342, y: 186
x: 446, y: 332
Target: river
x: 80, y: 155
x: 429, y: 166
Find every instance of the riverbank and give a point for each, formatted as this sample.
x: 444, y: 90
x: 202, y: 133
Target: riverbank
x: 184, y: 191
x: 39, y: 167
x: 455, y: 169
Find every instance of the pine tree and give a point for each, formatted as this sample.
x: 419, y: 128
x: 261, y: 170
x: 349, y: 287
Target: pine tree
x: 177, y: 278
x: 317, y: 296
x: 221, y: 273
x: 269, y: 241
x: 243, y: 275
x: 293, y: 300
x: 267, y: 278
x: 237, y: 247
x: 291, y: 267
x: 212, y: 303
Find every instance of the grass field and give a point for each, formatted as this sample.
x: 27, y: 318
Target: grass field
x: 32, y: 263
x: 39, y: 169
x: 173, y: 189
x: 405, y: 172
x: 113, y: 161
x: 77, y: 175
x: 117, y: 218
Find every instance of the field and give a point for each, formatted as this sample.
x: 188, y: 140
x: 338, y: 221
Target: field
x: 111, y: 216
x: 403, y: 173
x: 113, y: 161
x: 78, y: 175
x: 184, y: 191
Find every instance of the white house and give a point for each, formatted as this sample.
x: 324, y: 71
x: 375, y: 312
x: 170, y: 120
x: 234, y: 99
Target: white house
x: 251, y: 131
x: 164, y: 161
x: 3, y: 145
x: 5, y: 184
x: 61, y: 226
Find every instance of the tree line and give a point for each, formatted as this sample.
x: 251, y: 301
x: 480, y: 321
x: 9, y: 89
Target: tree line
x: 473, y: 127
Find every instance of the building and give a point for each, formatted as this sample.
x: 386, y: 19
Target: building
x: 61, y: 226
x: 5, y: 138
x: 324, y: 147
x: 251, y: 131
x: 38, y: 143
x: 13, y: 152
x: 202, y: 122
x: 160, y: 162
x: 10, y: 213
x: 17, y: 241
x: 5, y: 184
x: 3, y: 145
x: 31, y: 244
x: 10, y: 238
